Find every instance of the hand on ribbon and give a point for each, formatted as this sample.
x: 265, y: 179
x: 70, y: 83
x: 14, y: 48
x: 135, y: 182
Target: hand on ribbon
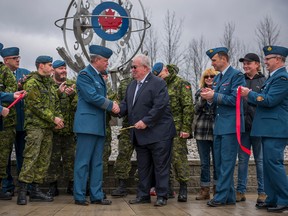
x: 19, y: 95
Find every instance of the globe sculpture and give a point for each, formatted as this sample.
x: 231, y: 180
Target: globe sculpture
x: 120, y: 25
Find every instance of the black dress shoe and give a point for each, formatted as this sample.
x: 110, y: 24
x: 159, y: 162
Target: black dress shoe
x: 265, y: 205
x: 140, y: 200
x: 5, y: 196
x: 102, y: 202
x: 278, y: 208
x: 161, y: 201
x: 214, y: 203
x: 82, y: 202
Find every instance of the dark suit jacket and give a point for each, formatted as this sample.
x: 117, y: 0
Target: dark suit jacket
x: 152, y: 107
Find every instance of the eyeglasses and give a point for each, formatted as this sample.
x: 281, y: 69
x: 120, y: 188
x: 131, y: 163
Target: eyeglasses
x: 15, y: 58
x: 135, y: 66
x: 209, y: 76
x: 268, y: 58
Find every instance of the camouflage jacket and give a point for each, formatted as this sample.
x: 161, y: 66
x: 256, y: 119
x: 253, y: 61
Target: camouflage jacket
x: 8, y: 83
x: 181, y: 102
x: 41, y: 102
x: 68, y: 104
x: 111, y: 95
x: 121, y: 95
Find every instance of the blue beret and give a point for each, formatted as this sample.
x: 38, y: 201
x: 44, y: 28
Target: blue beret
x: 212, y: 52
x: 100, y: 50
x: 157, y: 68
x: 1, y: 46
x: 58, y: 63
x: 10, y: 51
x: 278, y: 50
x: 44, y: 59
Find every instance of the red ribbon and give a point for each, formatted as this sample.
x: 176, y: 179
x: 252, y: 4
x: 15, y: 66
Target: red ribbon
x: 238, y: 121
x: 21, y: 96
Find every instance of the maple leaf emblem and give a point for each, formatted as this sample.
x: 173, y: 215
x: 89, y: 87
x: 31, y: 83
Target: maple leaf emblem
x: 110, y: 23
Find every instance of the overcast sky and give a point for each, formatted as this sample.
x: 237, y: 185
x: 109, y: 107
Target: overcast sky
x: 29, y: 24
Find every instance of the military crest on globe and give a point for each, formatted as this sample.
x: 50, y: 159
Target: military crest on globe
x: 119, y: 25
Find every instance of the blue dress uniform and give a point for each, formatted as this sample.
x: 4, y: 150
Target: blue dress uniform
x: 6, y: 97
x: 89, y: 126
x: 271, y: 123
x: 225, y: 141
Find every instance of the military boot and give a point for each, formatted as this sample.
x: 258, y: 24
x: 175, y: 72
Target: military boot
x: 204, y: 193
x: 182, y: 197
x: 36, y: 195
x: 121, y: 190
x: 22, y: 199
x: 53, y: 189
x: 70, y: 187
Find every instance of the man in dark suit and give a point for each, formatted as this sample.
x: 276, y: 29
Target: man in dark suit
x: 147, y: 105
x: 271, y: 124
x: 225, y: 143
x: 89, y: 126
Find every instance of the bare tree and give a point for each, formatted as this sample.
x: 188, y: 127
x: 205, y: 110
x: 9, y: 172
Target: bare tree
x: 267, y: 33
x: 171, y: 39
x: 235, y: 46
x: 151, y: 44
x: 195, y: 61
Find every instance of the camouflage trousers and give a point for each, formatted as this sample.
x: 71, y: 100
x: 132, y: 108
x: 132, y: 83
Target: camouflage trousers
x: 62, y: 158
x: 37, y: 155
x: 107, y: 151
x: 122, y: 164
x: 7, y: 138
x: 179, y: 160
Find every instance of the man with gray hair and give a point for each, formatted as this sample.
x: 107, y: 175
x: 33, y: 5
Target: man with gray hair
x: 146, y: 104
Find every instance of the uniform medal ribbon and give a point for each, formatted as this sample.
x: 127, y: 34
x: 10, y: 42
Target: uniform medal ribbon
x: 238, y: 121
x: 21, y: 96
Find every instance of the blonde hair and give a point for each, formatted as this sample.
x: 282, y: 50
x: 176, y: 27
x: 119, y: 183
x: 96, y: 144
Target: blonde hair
x: 208, y: 71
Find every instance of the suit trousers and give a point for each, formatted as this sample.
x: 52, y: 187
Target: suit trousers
x: 225, y: 155
x: 275, y: 178
x: 88, y: 163
x: 154, y: 159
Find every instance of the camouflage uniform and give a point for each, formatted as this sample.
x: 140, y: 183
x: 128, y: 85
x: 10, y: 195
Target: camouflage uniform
x: 7, y: 84
x: 41, y: 107
x: 181, y: 103
x: 64, y: 140
x: 122, y: 164
x: 107, y: 145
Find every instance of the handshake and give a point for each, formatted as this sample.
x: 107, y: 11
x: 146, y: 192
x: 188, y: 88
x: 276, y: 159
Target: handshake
x: 115, y: 108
